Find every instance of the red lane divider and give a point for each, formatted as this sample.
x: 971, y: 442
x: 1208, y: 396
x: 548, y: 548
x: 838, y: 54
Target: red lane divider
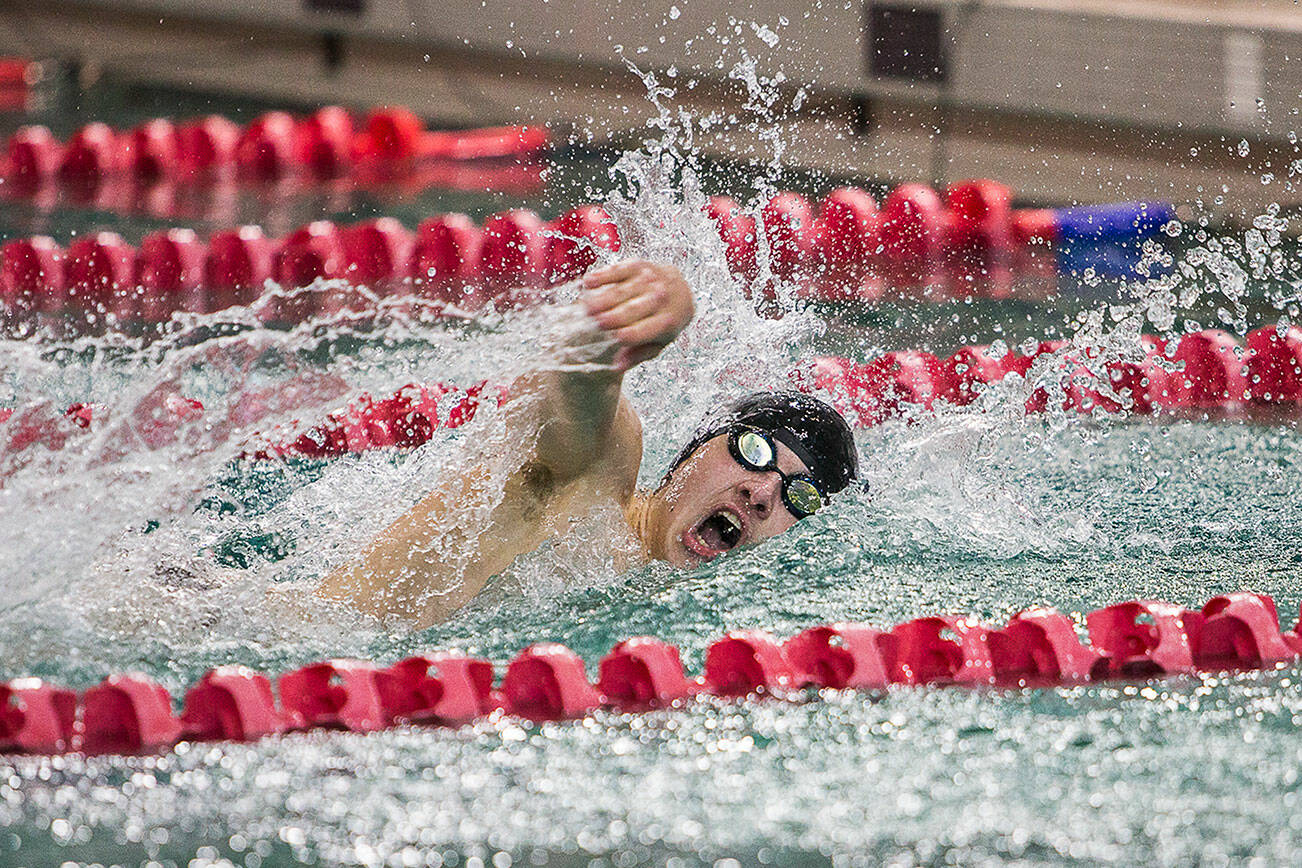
x: 967, y: 241
x: 842, y: 656
x: 169, y: 275
x: 514, y: 250
x: 17, y: 76
x: 404, y: 420
x: 193, y: 168
x: 747, y: 661
x: 322, y: 145
x: 1238, y: 630
x: 509, y: 262
x: 236, y: 267
x: 642, y: 673
x: 1040, y: 645
x: 36, y: 717
x: 965, y: 244
x: 338, y: 694
x: 126, y: 714
x: 439, y: 688
x: 1202, y: 372
x: 231, y: 703
x: 945, y: 648
x: 1211, y: 373
x: 914, y: 228
x: 546, y: 681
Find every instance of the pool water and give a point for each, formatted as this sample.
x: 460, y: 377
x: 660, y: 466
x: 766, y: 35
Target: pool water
x: 973, y: 511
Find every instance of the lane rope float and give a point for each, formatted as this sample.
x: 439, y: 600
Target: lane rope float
x: 1202, y: 374
x: 327, y: 143
x: 972, y: 244
x: 1037, y: 648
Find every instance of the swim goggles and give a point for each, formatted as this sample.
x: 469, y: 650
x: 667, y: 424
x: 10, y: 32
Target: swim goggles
x: 755, y: 450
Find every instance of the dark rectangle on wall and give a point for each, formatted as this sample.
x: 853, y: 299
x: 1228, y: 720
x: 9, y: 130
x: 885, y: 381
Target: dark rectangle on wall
x: 345, y: 7
x: 907, y: 43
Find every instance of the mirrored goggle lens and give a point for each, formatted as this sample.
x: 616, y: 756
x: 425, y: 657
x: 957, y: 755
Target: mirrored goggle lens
x: 802, y: 494
x: 755, y: 450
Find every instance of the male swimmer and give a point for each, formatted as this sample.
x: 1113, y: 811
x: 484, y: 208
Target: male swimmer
x: 751, y: 472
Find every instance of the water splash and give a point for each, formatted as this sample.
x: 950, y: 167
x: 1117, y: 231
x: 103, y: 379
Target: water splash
x: 151, y: 523
x: 144, y: 524
x: 113, y: 544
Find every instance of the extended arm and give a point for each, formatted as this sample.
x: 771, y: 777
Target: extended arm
x: 578, y: 441
x: 641, y: 307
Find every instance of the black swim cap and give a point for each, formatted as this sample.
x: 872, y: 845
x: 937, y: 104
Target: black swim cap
x: 810, y: 428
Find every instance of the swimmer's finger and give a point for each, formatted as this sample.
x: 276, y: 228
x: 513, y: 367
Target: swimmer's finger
x: 609, y: 294
x: 659, y: 328
x: 596, y: 301
x: 633, y: 310
x: 614, y: 273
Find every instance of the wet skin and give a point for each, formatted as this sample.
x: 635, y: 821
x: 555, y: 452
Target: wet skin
x: 579, y: 446
x: 709, y: 493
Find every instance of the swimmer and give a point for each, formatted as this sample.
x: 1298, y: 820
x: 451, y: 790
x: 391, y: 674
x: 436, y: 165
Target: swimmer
x: 752, y: 470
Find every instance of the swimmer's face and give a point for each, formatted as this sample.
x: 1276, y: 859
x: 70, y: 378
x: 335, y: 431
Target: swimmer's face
x: 711, y: 504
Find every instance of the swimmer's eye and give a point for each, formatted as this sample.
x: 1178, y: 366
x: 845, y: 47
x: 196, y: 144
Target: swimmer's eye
x: 756, y: 450
x: 802, y: 495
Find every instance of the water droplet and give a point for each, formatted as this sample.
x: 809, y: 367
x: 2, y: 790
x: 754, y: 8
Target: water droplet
x: 1243, y: 147
x: 763, y: 32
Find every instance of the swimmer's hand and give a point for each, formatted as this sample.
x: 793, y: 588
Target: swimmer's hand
x: 641, y: 305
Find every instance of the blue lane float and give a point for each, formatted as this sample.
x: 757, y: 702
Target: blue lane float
x: 1108, y: 238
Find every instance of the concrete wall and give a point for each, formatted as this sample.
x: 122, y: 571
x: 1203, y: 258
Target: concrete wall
x: 1162, y: 63
x: 1113, y: 99
x: 1170, y: 69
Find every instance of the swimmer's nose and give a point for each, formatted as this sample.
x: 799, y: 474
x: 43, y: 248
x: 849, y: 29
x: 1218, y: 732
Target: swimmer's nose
x: 762, y: 492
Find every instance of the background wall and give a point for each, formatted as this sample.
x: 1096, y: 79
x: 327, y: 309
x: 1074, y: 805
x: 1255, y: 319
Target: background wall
x: 1153, y: 96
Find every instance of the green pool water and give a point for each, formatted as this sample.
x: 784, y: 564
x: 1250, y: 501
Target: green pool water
x: 974, y: 511
x: 1190, y: 769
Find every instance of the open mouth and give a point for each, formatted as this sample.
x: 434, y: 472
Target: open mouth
x: 720, y: 531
